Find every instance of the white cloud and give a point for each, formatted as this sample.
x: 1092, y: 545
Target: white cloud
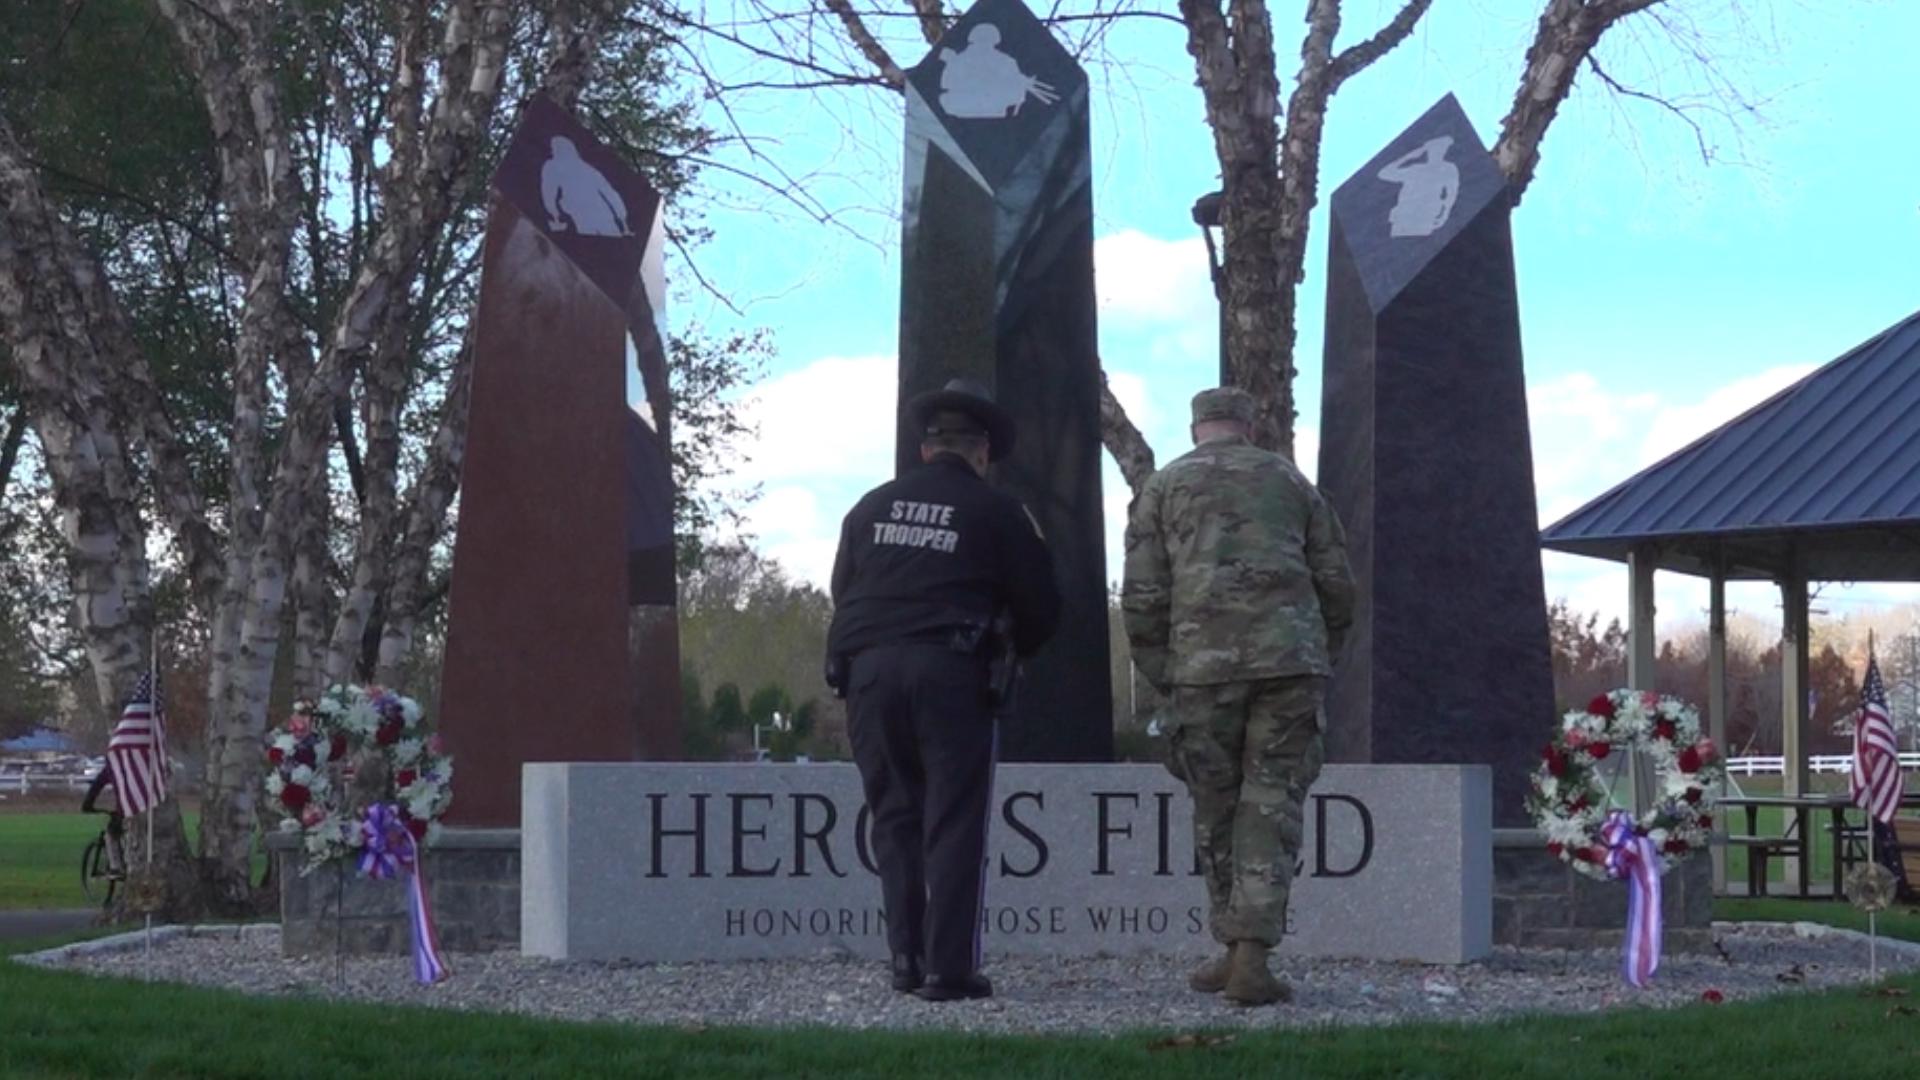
x: 1306, y: 451
x: 831, y: 419
x: 1130, y: 390
x: 1677, y: 425
x: 1144, y: 279
x: 825, y: 435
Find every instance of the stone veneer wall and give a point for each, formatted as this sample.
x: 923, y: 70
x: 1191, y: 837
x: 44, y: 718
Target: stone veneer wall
x: 474, y: 878
x: 473, y: 882
x: 1540, y: 902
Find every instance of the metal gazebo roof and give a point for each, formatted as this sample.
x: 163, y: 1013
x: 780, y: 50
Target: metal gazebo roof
x: 1828, y: 470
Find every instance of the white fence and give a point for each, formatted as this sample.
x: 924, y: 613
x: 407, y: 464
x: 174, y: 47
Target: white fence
x: 20, y: 783
x: 1831, y: 763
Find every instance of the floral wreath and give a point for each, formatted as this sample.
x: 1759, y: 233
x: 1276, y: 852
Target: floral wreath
x: 357, y: 748
x: 1571, y: 794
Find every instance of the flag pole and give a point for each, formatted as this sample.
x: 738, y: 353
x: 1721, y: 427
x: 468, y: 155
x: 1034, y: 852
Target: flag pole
x: 153, y: 682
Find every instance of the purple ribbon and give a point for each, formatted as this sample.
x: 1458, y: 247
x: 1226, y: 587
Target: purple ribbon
x: 382, y: 853
x: 389, y: 849
x: 1633, y: 857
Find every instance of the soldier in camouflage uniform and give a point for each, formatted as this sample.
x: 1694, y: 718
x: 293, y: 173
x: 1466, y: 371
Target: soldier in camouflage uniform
x: 1237, y: 596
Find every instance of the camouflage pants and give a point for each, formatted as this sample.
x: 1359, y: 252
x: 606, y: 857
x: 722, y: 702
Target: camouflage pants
x: 1248, y: 752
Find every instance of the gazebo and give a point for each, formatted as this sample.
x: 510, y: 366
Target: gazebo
x: 1820, y: 482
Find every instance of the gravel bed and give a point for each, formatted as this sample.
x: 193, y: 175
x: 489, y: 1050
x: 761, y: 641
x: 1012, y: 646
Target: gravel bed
x: 1043, y: 995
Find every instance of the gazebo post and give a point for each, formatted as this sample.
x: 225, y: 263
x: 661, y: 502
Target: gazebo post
x: 1793, y: 693
x: 1717, y: 701
x: 1793, y: 677
x: 1640, y: 619
x: 1641, y: 652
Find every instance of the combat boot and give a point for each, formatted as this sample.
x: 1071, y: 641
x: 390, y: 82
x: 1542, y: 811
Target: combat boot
x: 1248, y: 980
x: 1211, y: 977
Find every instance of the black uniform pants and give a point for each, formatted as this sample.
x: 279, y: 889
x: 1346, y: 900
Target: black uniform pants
x: 923, y: 737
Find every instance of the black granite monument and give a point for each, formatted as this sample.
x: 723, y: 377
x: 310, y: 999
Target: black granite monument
x: 997, y: 285
x: 1424, y: 453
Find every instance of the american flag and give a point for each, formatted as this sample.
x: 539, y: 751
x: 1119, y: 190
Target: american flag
x: 137, y: 752
x: 1876, y: 757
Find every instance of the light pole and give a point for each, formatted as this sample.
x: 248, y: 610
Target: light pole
x: 1206, y: 214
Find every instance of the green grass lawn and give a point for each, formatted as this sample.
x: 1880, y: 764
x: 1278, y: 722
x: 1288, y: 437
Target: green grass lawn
x: 40, y: 859
x: 67, y: 1025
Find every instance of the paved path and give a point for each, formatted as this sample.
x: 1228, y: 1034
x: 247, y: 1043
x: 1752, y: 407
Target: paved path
x: 32, y: 924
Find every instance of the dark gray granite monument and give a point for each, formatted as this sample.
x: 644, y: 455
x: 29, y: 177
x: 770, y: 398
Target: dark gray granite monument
x: 997, y: 286
x: 1424, y: 453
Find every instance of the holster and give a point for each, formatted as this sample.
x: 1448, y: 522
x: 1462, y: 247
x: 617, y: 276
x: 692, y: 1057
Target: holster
x: 836, y: 673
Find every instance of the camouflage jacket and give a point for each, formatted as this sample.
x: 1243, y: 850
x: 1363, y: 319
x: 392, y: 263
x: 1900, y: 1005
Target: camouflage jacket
x: 1236, y: 570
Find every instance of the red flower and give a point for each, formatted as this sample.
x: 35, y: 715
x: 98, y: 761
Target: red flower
x: 1555, y: 847
x: 404, y: 777
x: 1705, y: 748
x: 1578, y: 804
x: 387, y: 734
x: 1591, y: 855
x: 1706, y: 821
x: 274, y: 755
x: 337, y: 747
x: 304, y: 755
x: 417, y: 827
x: 1556, y: 762
x: 1692, y: 795
x: 1676, y: 846
x: 1690, y: 760
x: 1663, y: 729
x: 1712, y: 997
x: 1600, y: 750
x: 294, y: 796
x: 1601, y: 706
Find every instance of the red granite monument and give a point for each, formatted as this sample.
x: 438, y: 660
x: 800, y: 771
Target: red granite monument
x: 562, y: 643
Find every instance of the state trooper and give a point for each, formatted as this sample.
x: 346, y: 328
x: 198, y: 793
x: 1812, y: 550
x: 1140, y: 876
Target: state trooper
x: 927, y: 564
x: 1236, y: 597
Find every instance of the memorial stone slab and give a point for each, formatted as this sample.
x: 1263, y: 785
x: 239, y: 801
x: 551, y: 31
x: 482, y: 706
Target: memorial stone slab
x: 1425, y: 455
x: 562, y: 639
x: 997, y: 286
x: 726, y: 862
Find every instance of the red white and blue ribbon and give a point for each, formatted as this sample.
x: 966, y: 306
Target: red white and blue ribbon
x: 389, y: 848
x: 1634, y: 858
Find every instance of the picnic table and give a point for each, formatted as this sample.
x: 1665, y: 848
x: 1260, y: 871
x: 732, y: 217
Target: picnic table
x: 1795, y: 842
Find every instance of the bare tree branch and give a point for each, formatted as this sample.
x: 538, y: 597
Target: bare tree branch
x: 1124, y: 441
x: 1567, y: 33
x: 1699, y: 133
x: 868, y: 45
x: 933, y: 19
x: 1358, y: 58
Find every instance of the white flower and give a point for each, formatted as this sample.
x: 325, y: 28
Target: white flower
x: 362, y: 717
x: 284, y: 742
x: 276, y: 783
x: 421, y: 807
x: 408, y: 751
x: 289, y: 825
x: 433, y: 832
x: 302, y: 775
x: 410, y: 709
x: 1549, y: 787
x: 1659, y: 838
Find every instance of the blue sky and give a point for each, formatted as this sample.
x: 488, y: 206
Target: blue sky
x: 1660, y: 296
